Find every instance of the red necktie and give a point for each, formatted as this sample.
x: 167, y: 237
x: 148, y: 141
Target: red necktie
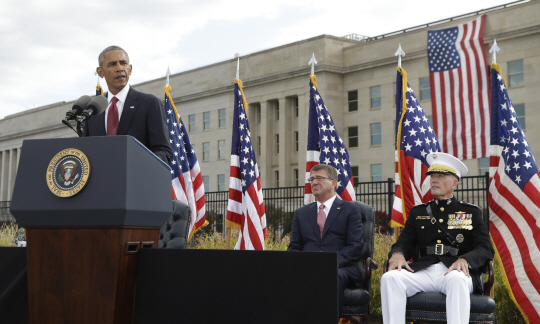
x: 112, y: 118
x: 321, y: 218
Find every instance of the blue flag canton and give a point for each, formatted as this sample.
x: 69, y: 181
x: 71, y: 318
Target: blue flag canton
x: 417, y: 136
x: 190, y: 151
x: 519, y: 162
x: 442, y: 52
x: 179, y: 162
x: 332, y: 148
x: 241, y: 142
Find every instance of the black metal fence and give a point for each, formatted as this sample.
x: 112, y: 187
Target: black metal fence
x: 280, y: 203
x: 5, y: 215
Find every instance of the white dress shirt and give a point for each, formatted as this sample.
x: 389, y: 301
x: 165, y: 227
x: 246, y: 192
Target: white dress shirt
x: 327, y: 205
x: 122, y: 95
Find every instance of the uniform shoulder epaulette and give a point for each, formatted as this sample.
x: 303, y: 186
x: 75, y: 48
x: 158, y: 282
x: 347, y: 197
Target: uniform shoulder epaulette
x: 467, y: 204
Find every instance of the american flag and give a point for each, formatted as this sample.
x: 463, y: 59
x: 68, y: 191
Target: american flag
x: 415, y: 139
x: 245, y: 210
x: 514, y: 201
x: 326, y: 147
x: 187, y: 184
x: 459, y: 89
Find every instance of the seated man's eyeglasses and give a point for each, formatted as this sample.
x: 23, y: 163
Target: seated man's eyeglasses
x: 318, y: 178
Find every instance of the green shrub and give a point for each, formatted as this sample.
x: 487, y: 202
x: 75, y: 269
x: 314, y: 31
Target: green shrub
x: 7, y: 233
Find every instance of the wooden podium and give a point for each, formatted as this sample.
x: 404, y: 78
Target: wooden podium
x: 82, y: 250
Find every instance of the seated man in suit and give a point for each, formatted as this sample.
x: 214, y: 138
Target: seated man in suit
x: 130, y: 112
x: 330, y: 225
x: 448, y: 242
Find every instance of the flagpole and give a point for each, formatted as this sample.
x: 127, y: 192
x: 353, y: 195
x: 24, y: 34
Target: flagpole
x: 229, y: 230
x: 399, y: 53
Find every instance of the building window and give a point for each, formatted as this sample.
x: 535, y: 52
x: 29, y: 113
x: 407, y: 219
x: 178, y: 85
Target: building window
x: 376, y: 134
x: 277, y: 143
x: 296, y: 141
x: 221, y: 149
x: 483, y: 165
x: 206, y: 151
x: 520, y: 112
x: 516, y: 77
x: 353, y: 136
x: 425, y: 89
x: 191, y: 123
x: 375, y: 96
x: 222, y: 114
x: 221, y: 182
x: 353, y: 100
x: 206, y: 120
x: 296, y: 183
x: 354, y: 170
x: 259, y: 145
x: 430, y: 121
x: 376, y: 172
x: 395, y: 85
x: 295, y: 101
x: 277, y: 110
x: 206, y: 183
x: 276, y: 177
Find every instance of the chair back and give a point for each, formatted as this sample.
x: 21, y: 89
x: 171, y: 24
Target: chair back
x: 369, y: 239
x: 174, y: 233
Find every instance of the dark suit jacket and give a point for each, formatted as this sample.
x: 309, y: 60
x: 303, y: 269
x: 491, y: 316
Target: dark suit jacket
x: 143, y: 118
x: 419, y: 232
x: 342, y: 233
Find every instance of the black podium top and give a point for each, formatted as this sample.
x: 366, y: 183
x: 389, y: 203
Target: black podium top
x: 127, y: 186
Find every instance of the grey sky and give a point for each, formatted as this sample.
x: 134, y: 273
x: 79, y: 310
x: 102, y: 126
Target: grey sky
x: 49, y: 49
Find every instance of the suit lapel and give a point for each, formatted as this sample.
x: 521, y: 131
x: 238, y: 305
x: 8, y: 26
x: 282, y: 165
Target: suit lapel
x: 312, y: 216
x: 332, y: 215
x: 97, y: 125
x: 128, y: 112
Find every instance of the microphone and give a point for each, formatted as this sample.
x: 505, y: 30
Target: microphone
x: 95, y: 107
x: 78, y: 108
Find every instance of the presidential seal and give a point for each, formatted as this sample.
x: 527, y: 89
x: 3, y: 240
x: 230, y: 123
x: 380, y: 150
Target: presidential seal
x: 68, y: 173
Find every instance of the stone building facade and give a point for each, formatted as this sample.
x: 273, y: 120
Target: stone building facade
x: 355, y: 78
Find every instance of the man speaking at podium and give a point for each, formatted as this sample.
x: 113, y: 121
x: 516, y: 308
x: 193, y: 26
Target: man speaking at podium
x: 129, y: 112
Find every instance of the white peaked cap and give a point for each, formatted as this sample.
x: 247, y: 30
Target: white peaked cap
x: 445, y: 163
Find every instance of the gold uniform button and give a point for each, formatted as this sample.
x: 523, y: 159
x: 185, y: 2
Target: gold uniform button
x: 440, y: 221
x: 442, y: 208
x: 439, y: 241
x: 439, y: 231
x: 422, y: 227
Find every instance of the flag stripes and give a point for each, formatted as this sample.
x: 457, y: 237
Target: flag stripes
x: 459, y: 89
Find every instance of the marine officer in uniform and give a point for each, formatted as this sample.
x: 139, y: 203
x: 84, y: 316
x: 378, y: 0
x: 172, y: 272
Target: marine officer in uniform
x: 448, y: 242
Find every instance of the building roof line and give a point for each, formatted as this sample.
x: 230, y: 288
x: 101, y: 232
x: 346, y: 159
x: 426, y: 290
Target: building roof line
x: 442, y: 21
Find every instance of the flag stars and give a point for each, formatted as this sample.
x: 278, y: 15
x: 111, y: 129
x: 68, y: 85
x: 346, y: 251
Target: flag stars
x: 518, y: 179
x: 252, y: 173
x: 516, y: 166
x: 514, y: 141
x: 514, y: 130
x: 417, y: 119
x: 413, y: 132
x: 326, y: 150
x: 515, y: 154
x: 418, y: 142
x: 408, y: 147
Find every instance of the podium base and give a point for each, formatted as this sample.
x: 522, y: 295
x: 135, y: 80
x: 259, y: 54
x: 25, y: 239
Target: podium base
x: 84, y: 274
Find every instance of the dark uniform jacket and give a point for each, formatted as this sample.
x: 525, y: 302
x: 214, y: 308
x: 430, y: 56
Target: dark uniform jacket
x: 461, y: 220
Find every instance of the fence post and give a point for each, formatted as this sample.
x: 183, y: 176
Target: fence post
x: 390, y: 184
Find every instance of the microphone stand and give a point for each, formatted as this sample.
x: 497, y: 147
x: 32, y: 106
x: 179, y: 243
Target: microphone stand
x: 79, y: 131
